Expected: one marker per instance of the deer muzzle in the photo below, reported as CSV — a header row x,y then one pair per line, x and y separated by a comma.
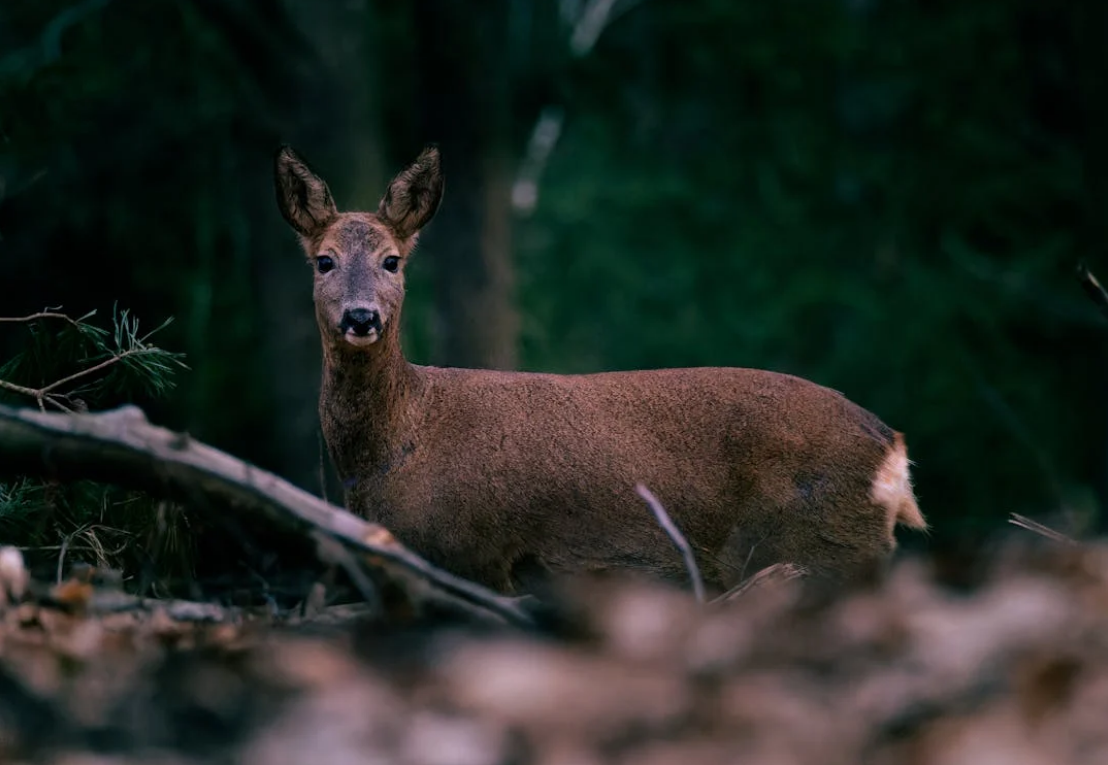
x,y
360,326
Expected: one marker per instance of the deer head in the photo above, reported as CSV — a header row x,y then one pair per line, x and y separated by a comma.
x,y
358,257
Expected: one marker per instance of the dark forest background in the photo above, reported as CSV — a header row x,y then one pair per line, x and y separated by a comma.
x,y
886,196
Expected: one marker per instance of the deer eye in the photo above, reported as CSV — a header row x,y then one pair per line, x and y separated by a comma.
x,y
324,263
391,264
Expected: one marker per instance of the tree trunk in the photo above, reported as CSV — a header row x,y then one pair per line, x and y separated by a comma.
x,y
464,89
336,115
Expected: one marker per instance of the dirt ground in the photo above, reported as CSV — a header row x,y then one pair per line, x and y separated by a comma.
x,y
1011,668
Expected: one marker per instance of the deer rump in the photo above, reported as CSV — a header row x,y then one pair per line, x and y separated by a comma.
x,y
508,477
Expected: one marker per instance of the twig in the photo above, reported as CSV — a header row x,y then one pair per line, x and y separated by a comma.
x,y
56,400
1026,523
1092,287
778,572
122,447
750,556
61,555
41,398
115,358
676,536
40,315
37,395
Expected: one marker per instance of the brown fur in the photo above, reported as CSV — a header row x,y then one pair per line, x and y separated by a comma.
x,y
507,477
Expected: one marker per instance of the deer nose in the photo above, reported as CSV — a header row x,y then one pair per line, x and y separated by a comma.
x,y
360,321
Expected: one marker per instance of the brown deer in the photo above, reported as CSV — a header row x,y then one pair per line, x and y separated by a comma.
x,y
508,478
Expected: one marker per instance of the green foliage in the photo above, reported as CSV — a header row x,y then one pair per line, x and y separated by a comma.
x,y
70,364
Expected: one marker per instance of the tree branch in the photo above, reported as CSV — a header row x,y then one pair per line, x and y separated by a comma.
x,y
97,368
120,446
48,314
39,395
22,390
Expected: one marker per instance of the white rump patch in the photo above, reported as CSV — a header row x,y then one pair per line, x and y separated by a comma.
x,y
892,488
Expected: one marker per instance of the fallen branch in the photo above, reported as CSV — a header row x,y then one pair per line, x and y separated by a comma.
x,y
678,538
120,446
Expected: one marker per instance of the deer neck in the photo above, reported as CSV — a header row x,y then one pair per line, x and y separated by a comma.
x,y
367,406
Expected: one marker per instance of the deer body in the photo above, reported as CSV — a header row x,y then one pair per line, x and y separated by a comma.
x,y
509,477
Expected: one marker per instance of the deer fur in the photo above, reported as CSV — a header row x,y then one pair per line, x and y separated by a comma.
x,y
508,478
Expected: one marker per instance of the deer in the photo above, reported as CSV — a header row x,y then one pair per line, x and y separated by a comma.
x,y
513,479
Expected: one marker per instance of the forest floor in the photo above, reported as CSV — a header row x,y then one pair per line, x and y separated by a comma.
x,y
1010,664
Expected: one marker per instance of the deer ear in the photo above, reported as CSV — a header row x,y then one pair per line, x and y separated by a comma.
x,y
413,196
303,197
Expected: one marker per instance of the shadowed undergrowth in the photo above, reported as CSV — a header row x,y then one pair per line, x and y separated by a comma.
x,y
78,364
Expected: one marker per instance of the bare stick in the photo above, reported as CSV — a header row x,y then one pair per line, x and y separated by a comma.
x,y
1092,287
676,536
1026,523
120,446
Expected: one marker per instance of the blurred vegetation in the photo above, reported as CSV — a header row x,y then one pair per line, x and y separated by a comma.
x,y
886,196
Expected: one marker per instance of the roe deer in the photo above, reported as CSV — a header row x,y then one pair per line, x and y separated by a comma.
x,y
508,478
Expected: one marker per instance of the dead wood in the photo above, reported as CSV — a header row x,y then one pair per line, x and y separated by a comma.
x,y
121,447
